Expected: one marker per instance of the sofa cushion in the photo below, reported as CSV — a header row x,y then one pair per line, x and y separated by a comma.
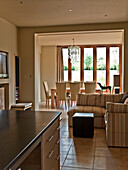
x,y
98,111
88,99
106,98
82,99
116,107
125,96
117,97
98,99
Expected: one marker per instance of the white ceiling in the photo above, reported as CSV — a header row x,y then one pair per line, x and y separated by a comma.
x,y
82,38
56,12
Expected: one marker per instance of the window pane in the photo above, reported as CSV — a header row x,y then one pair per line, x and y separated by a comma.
x,y
88,64
76,70
101,65
65,62
114,63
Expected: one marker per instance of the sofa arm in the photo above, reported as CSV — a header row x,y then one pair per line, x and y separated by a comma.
x,y
116,107
117,122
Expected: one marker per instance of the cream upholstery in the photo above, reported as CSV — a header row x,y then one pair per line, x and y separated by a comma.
x,y
47,95
74,90
116,120
67,84
60,93
90,86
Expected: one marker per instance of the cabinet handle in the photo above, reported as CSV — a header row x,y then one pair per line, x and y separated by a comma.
x,y
50,138
58,128
58,141
50,154
58,157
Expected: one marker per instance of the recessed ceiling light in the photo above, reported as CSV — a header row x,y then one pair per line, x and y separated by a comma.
x,y
21,2
70,10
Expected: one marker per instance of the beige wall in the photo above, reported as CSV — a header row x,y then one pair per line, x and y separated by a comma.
x,y
26,51
8,43
47,68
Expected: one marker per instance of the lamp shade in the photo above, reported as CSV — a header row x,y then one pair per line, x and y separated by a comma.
x,y
116,79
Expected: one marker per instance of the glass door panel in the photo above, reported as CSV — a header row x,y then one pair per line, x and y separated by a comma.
x,y
88,64
114,63
76,70
101,65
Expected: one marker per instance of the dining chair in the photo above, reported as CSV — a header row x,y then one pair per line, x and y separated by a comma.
x,y
61,93
74,90
90,86
47,94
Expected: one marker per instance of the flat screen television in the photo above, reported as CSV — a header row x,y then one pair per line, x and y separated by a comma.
x,y
4,65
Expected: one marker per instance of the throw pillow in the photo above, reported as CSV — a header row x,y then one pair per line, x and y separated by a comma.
x,y
125,96
126,101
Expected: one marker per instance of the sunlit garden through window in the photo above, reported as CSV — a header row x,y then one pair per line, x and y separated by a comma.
x,y
104,58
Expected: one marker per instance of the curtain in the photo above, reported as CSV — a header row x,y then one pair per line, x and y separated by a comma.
x,y
60,67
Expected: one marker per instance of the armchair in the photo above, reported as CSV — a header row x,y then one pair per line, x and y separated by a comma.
x,y
116,120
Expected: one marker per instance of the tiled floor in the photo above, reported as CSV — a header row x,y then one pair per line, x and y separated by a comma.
x,y
89,153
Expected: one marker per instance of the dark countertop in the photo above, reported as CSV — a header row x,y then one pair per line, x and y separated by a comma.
x,y
18,129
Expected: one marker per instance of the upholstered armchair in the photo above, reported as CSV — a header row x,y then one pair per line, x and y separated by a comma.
x,y
116,120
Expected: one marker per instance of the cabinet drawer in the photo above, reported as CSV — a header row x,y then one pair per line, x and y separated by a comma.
x,y
47,136
49,145
51,159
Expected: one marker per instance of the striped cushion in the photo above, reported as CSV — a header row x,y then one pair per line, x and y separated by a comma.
x,y
91,100
87,99
98,99
82,99
106,98
117,97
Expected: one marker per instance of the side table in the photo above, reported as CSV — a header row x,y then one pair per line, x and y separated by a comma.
x,y
83,125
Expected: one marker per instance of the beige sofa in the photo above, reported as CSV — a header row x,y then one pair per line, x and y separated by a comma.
x,y
93,103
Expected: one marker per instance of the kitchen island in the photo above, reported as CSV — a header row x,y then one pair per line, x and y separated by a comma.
x,y
29,140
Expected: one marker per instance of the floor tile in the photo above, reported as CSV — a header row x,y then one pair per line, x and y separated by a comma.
x,y
101,142
83,141
82,150
79,161
108,152
62,159
108,163
70,168
66,141
64,148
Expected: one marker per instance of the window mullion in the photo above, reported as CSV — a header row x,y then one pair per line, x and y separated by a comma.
x,y
120,66
82,64
107,65
94,64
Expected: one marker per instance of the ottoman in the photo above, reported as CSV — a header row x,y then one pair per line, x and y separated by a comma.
x,y
83,125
